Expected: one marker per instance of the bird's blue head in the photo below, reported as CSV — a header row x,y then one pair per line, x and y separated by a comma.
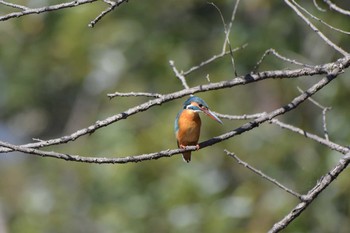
x,y
196,104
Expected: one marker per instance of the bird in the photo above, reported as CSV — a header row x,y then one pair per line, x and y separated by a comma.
x,y
188,124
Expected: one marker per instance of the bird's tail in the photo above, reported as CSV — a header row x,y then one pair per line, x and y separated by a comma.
x,y
186,156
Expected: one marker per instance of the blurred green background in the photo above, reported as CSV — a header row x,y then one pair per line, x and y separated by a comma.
x,y
55,74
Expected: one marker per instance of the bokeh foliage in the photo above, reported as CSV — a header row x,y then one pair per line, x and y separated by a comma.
x,y
55,73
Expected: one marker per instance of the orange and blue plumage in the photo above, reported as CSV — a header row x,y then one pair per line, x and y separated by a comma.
x,y
188,124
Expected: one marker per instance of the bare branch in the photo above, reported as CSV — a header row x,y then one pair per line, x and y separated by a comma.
x,y
246,127
274,52
324,123
179,75
263,175
312,100
240,117
318,7
336,8
29,11
213,58
14,5
98,160
324,112
320,20
113,4
325,142
119,94
326,180
227,30
229,27
333,69
316,30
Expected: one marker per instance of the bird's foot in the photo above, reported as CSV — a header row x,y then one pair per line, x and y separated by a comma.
x,y
197,147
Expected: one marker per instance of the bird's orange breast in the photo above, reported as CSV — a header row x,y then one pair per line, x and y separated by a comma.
x,y
189,128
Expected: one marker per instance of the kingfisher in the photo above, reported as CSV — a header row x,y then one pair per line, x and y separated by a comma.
x,y
188,124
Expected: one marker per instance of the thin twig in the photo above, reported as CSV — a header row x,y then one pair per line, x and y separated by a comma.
x,y
336,8
213,58
274,52
320,20
40,10
146,94
325,142
324,123
229,27
227,30
326,180
318,7
113,5
324,112
316,30
24,8
312,100
179,75
263,175
240,117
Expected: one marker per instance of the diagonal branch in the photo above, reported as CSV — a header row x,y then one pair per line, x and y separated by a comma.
x,y
325,142
326,180
274,52
213,58
320,20
315,29
335,68
318,7
263,175
29,11
179,75
112,5
324,112
244,128
14,5
227,30
337,8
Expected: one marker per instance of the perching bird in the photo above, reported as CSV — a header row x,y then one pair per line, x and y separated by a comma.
x,y
188,124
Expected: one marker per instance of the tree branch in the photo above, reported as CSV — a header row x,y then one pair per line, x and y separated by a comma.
x,y
325,142
326,180
29,11
274,52
246,127
263,175
14,5
315,29
320,20
332,68
336,8
113,4
213,58
119,94
179,75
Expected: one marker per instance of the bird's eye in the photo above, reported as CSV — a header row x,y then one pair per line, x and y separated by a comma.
x,y
200,105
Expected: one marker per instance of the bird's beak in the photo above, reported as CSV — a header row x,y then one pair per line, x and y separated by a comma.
x,y
211,115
